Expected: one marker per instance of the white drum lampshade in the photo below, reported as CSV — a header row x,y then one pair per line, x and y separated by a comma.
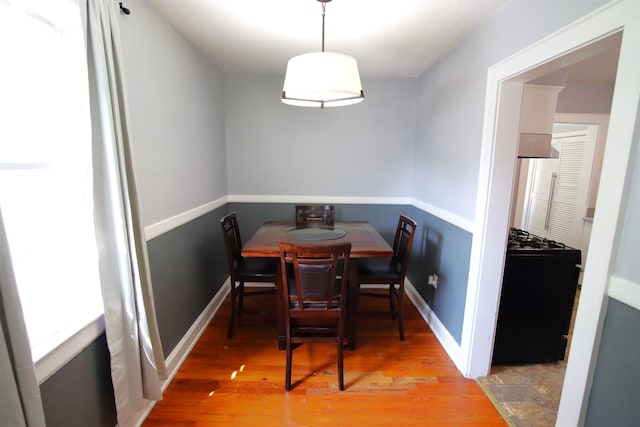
x,y
322,79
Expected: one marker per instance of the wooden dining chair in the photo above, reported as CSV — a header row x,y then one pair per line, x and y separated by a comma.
x,y
391,271
314,293
244,269
315,216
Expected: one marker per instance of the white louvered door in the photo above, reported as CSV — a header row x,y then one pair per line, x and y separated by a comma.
x,y
540,195
559,189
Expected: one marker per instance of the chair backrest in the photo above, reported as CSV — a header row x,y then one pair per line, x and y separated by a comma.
x,y
316,277
402,242
314,216
232,241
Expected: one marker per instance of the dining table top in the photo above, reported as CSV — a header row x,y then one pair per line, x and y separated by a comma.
x,y
365,240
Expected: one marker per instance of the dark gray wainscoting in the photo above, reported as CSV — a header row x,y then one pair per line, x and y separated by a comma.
x,y
188,266
614,394
439,247
444,249
80,394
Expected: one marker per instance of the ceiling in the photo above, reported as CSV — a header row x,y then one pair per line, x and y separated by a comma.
x,y
388,38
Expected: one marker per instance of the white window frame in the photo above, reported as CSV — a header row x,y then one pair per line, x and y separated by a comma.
x,y
53,352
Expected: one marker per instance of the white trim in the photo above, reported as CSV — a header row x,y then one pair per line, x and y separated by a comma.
x,y
161,227
439,330
625,291
181,351
445,215
241,198
62,353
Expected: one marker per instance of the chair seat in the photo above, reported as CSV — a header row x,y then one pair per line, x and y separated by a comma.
x,y
378,270
255,269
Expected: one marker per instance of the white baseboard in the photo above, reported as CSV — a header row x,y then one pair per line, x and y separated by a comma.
x,y
181,351
442,334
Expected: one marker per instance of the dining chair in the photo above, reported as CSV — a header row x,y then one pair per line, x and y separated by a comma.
x,y
315,216
314,293
244,269
391,271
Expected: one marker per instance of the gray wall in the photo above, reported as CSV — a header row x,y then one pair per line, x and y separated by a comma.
x,y
627,265
277,149
614,394
177,119
80,394
452,94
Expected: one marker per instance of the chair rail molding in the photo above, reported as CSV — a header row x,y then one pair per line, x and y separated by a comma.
x,y
154,230
157,229
356,200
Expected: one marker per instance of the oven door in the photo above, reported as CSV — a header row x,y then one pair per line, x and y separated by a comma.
x,y
538,292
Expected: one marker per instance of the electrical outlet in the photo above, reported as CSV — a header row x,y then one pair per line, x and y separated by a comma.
x,y
432,280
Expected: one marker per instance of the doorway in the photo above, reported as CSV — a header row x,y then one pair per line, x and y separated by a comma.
x,y
504,88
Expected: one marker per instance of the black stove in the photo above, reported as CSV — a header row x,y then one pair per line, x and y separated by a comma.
x,y
538,290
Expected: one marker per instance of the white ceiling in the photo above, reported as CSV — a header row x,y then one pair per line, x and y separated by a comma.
x,y
392,38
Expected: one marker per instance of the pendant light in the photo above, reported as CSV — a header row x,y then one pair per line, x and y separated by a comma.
x,y
322,79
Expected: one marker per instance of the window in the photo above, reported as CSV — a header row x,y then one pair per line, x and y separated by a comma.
x,y
45,168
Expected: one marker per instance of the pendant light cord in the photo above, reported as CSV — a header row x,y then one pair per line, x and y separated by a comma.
x,y
324,5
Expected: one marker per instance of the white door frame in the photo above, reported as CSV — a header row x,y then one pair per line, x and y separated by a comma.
x,y
495,185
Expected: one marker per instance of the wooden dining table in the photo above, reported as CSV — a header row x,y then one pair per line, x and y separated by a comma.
x,y
365,241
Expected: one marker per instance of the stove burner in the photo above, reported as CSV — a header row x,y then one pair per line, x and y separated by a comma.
x,y
525,240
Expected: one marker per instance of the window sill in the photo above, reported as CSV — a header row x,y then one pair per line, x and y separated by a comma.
x,y
53,354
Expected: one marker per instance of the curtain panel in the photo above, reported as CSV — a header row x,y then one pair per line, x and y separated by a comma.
x,y
137,362
20,401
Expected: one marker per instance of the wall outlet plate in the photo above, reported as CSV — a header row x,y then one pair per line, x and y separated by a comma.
x,y
432,280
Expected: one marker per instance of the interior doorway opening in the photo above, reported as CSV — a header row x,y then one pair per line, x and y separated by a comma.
x,y
505,82
554,199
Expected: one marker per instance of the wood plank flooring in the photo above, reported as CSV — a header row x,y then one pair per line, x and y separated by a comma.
x,y
240,382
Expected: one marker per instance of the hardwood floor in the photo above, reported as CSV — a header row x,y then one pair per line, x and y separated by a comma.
x,y
240,381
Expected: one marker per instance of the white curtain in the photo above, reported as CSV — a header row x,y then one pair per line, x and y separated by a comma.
x,y
137,361
20,402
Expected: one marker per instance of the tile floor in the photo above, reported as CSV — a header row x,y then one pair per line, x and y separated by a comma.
x,y
529,395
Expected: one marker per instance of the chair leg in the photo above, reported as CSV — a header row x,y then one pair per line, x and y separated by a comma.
x,y
392,300
240,293
232,317
287,380
400,303
340,366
